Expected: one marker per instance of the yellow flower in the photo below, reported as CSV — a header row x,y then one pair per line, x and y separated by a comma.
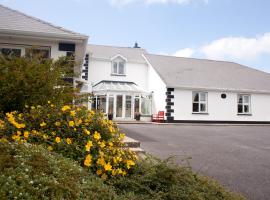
x,y
114,172
65,108
4,140
32,107
57,139
99,172
71,123
110,144
69,141
101,161
108,167
130,163
88,160
101,144
57,123
88,145
49,102
2,124
73,113
16,137
86,131
45,136
43,124
26,134
96,135
121,136
50,148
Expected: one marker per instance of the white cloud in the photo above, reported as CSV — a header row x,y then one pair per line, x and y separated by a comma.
x,y
121,3
187,52
237,47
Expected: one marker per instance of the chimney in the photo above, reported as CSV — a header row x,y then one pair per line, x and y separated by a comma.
x,y
136,45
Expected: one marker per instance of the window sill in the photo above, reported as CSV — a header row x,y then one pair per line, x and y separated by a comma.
x,y
118,75
200,113
244,114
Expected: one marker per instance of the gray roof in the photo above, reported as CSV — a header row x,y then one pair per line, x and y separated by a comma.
x,y
107,52
208,74
12,21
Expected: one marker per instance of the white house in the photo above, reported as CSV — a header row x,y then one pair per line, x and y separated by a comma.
x,y
119,79
125,81
19,33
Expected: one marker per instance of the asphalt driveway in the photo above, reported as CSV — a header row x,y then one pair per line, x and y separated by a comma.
x,y
237,156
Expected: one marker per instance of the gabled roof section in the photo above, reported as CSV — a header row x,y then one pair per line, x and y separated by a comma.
x,y
193,73
12,21
108,52
118,56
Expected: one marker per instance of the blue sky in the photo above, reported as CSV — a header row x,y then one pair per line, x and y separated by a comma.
x,y
234,30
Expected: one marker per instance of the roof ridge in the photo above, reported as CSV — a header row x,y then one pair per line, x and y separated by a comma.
x,y
102,45
189,58
40,20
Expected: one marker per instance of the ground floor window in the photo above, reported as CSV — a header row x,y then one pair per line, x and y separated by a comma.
x,y
243,104
146,105
10,52
199,102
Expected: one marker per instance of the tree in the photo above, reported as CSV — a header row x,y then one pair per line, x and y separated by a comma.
x,y
34,81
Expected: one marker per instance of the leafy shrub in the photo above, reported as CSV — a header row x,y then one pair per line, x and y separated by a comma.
x,y
31,172
34,81
155,179
74,132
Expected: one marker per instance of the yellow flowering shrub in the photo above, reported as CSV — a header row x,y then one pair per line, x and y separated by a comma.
x,y
75,132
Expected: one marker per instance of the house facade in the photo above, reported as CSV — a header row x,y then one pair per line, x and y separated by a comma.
x,y
21,34
118,78
126,81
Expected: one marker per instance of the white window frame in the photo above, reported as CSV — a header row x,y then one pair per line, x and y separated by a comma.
x,y
244,104
199,102
116,60
14,47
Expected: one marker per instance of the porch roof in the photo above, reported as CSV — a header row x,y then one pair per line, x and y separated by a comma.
x,y
117,86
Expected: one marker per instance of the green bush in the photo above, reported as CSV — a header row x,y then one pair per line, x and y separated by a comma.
x,y
34,81
31,172
155,179
74,132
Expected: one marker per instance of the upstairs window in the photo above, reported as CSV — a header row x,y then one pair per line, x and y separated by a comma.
x,y
243,104
199,100
118,66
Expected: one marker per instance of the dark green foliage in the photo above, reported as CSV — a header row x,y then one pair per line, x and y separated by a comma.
x,y
34,81
155,179
31,172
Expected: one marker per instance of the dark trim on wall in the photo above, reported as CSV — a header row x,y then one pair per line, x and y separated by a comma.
x,y
170,119
170,103
66,47
170,89
217,122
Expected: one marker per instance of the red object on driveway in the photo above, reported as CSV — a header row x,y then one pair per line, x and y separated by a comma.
x,y
158,117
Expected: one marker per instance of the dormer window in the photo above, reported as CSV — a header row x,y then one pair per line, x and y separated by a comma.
x,y
118,66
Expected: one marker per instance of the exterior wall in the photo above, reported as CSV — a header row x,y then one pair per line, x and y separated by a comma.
x,y
23,43
158,87
221,109
99,70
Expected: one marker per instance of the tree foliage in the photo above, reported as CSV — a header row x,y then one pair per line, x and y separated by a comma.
x,y
34,81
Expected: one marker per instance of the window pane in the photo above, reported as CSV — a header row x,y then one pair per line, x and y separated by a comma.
x,y
10,52
110,111
195,107
128,106
202,96
195,97
246,108
203,107
240,99
119,105
121,68
146,105
39,53
115,68
246,99
240,108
